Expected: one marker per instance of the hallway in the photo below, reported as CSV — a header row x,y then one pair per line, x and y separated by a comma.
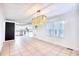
x,y
35,47
39,29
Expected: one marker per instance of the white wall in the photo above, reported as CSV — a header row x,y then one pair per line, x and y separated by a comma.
x,y
71,38
2,28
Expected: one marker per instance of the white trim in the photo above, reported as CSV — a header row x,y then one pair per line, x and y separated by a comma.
x,y
55,42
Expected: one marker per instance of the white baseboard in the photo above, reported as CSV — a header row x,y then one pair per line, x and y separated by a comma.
x,y
55,42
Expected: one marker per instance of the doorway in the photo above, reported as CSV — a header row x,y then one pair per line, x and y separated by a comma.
x,y
9,31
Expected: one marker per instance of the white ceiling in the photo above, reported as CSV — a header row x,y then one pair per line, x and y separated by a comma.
x,y
21,12
24,12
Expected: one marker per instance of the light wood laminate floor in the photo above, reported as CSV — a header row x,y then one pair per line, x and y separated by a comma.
x,y
35,47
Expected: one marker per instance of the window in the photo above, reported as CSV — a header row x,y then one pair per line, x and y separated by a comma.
x,y
56,29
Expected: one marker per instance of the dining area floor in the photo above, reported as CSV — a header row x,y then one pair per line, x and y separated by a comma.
x,y
35,47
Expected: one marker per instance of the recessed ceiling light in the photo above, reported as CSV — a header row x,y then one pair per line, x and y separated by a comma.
x,y
38,10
